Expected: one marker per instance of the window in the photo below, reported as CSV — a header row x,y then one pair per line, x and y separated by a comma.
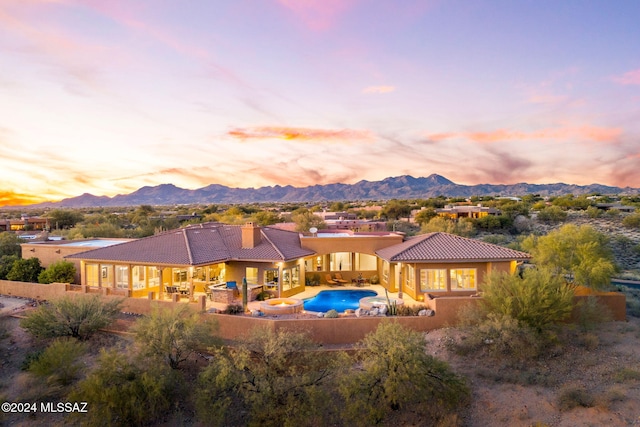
x,y
137,276
271,277
106,271
154,277
92,275
179,277
385,272
286,279
290,278
463,279
433,280
340,261
251,273
295,276
410,279
365,262
122,277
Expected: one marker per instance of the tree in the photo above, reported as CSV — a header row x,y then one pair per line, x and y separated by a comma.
x,y
76,317
463,227
64,218
632,221
10,244
552,215
397,374
579,253
58,363
396,209
25,270
305,220
276,374
265,218
58,272
6,264
425,215
172,335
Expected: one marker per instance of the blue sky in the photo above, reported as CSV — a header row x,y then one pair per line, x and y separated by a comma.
x,y
105,97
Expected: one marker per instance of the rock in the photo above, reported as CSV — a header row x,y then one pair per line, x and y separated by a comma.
x,y
426,312
383,310
374,311
361,312
422,313
320,315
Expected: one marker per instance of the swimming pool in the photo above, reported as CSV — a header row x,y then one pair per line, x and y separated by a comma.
x,y
339,300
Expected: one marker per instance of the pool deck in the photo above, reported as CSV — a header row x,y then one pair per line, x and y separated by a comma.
x,y
311,291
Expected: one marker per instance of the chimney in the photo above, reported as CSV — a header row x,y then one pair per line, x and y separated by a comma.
x,y
250,235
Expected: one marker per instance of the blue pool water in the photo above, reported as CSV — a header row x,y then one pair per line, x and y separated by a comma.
x,y
339,300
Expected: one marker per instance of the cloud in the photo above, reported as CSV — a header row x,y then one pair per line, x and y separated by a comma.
x,y
10,198
378,89
628,78
301,134
318,15
586,132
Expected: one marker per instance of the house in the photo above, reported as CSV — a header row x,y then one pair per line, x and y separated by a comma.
x,y
462,211
444,264
25,223
213,254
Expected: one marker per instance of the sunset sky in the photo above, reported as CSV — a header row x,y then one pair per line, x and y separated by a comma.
x,y
107,96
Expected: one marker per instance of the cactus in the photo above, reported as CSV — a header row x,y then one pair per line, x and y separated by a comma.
x,y
392,306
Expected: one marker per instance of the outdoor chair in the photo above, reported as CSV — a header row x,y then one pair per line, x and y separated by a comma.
x,y
330,281
338,278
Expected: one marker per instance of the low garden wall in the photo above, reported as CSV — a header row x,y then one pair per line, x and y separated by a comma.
x,y
344,330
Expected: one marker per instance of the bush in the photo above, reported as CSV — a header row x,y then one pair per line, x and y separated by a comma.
x,y
79,317
631,221
25,270
58,272
173,335
234,309
120,393
277,377
58,363
331,314
552,215
589,314
573,397
398,375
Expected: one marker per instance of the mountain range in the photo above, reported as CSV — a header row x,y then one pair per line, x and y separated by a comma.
x,y
401,187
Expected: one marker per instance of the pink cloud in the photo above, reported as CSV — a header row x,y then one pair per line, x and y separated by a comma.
x,y
301,134
628,78
592,133
379,89
318,15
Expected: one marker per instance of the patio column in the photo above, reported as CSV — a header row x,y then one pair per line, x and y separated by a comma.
x,y
400,280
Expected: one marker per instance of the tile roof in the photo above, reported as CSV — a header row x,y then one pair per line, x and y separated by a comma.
x,y
444,247
200,245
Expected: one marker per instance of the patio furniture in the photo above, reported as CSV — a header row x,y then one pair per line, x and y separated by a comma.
x,y
171,289
338,278
330,281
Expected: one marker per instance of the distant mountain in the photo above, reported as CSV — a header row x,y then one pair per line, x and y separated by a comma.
x,y
401,187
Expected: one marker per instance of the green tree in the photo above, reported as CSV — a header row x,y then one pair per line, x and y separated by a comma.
x,y
6,264
463,227
425,215
25,270
632,221
59,272
10,244
396,374
64,218
396,209
76,317
121,393
172,335
276,374
265,218
305,219
579,253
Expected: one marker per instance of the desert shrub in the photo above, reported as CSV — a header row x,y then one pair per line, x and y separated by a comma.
x,y
631,221
276,375
121,393
264,295
59,272
234,309
626,374
410,310
573,397
58,364
25,270
502,337
538,299
396,375
331,314
172,335
66,316
552,215
590,341
588,314
30,358
611,396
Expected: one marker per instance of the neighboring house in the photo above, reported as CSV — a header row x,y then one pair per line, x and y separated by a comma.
x,y
445,264
455,212
26,223
212,253
617,206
